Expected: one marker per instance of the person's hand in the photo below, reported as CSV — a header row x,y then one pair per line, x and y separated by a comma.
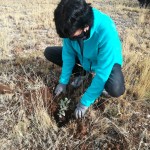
x,y
60,88
80,110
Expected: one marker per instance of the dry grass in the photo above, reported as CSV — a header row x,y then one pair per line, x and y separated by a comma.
x,y
26,29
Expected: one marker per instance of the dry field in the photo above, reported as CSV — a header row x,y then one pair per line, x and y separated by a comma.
x,y
29,111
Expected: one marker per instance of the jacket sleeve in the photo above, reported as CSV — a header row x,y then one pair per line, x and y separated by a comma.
x,y
68,58
109,45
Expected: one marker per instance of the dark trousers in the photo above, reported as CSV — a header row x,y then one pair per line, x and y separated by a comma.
x,y
115,83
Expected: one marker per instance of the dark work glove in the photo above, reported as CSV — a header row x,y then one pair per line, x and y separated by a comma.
x,y
60,88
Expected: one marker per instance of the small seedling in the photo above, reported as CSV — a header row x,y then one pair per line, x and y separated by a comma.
x,y
64,104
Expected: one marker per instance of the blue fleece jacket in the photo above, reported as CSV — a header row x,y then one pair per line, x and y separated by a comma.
x,y
101,51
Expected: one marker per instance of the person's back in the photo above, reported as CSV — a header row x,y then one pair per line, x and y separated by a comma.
x,y
102,30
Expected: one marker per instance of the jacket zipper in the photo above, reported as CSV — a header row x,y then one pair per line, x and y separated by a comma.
x,y
81,44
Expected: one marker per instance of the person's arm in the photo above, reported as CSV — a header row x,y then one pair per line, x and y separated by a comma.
x,y
109,54
68,57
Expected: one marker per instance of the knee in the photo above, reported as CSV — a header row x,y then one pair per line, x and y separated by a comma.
x,y
117,91
48,53
115,85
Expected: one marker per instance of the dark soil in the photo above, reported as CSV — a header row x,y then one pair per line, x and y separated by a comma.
x,y
64,120
100,104
50,102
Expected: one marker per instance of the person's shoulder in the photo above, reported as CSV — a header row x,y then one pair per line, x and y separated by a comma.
x,y
99,13
101,19
103,24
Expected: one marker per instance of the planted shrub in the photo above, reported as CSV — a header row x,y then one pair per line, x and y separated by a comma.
x,y
64,105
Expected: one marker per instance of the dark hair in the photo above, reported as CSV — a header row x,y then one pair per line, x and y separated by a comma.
x,y
71,15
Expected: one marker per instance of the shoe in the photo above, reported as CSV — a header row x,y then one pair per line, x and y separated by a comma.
x,y
105,94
